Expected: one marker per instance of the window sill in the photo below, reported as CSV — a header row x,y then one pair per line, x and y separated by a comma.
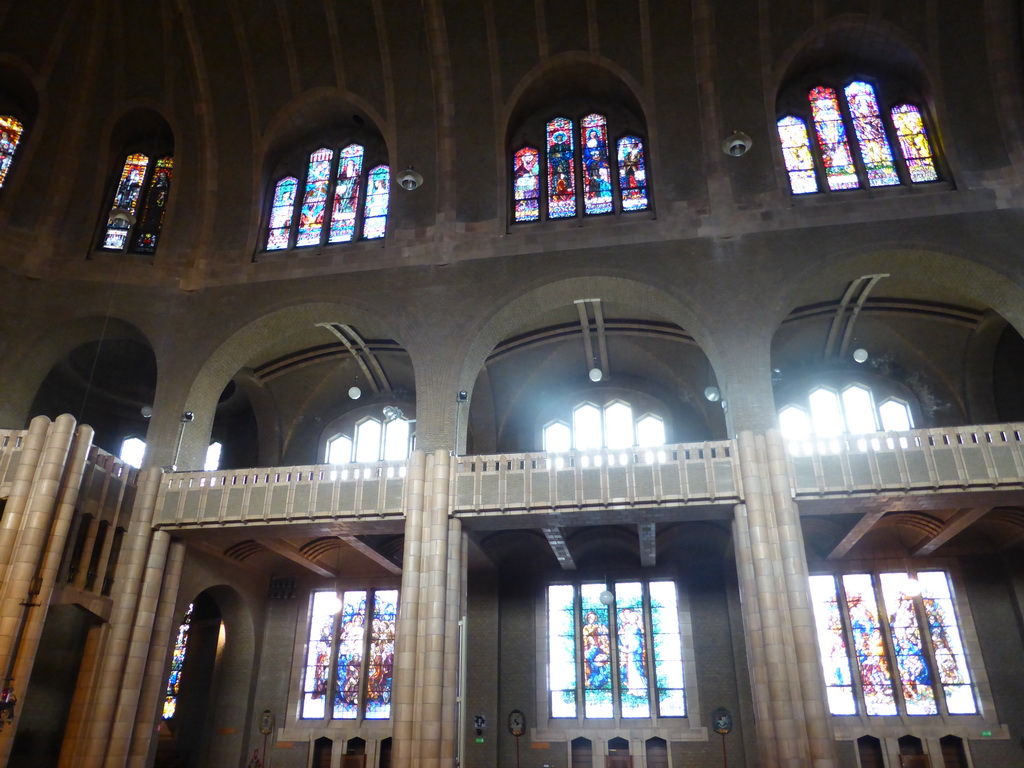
x,y
872,193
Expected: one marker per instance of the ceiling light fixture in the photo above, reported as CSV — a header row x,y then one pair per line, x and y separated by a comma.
x,y
713,394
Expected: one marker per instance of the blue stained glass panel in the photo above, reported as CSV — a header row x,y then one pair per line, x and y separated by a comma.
x,y
562,650
281,213
876,680
867,125
156,204
835,150
177,662
526,176
351,634
835,663
314,201
632,174
597,655
913,139
382,655
561,169
346,194
634,690
597,172
947,645
916,680
10,135
668,661
796,150
129,190
318,655
378,194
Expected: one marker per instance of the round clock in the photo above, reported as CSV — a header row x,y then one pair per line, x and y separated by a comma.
x,y
516,723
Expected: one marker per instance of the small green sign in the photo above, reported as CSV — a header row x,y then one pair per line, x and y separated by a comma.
x,y
480,739
986,733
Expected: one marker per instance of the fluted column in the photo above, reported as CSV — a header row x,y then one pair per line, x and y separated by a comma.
x,y
164,632
404,695
130,569
21,488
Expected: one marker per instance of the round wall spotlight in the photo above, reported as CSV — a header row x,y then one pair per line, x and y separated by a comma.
x,y
355,393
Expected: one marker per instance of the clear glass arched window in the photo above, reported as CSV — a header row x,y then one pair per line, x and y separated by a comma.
x,y
133,450
830,414
372,440
212,463
612,426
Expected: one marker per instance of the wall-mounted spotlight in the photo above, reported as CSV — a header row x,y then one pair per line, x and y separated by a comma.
x,y
463,396
392,413
188,417
410,178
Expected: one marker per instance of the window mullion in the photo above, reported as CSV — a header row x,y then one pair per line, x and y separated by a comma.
x,y
332,669
614,660
364,667
652,677
332,190
899,161
852,140
581,661
929,652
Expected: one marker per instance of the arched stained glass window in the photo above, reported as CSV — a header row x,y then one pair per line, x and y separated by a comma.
x,y
10,134
526,176
561,169
597,173
126,198
152,219
632,174
867,125
622,659
377,197
281,213
855,138
360,635
796,150
831,133
346,194
913,138
314,200
177,662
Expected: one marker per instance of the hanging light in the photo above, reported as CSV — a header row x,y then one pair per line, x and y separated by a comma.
x,y
606,597
596,374
713,394
860,355
355,392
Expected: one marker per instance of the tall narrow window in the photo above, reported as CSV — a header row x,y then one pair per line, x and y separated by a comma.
x,y
177,662
831,132
904,631
632,174
314,201
597,173
561,169
10,134
139,206
359,636
913,138
796,150
156,205
346,194
377,197
281,214
526,175
618,655
126,198
867,125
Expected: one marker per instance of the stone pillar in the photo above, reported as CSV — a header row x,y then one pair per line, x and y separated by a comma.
x,y
165,630
454,611
793,724
108,682
403,712
137,652
21,488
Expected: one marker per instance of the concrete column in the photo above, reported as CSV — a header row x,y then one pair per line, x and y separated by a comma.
x,y
40,548
165,630
454,611
21,488
403,694
79,714
137,653
130,568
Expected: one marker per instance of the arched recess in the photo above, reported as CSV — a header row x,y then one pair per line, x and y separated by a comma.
x,y
210,723
101,370
296,341
553,307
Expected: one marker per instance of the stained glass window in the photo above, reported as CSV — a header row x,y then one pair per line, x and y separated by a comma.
x,y
561,169
346,194
354,636
126,198
913,139
796,150
597,173
621,655
177,662
152,219
10,135
341,201
314,201
281,214
526,175
377,196
850,121
867,125
894,623
831,133
632,174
